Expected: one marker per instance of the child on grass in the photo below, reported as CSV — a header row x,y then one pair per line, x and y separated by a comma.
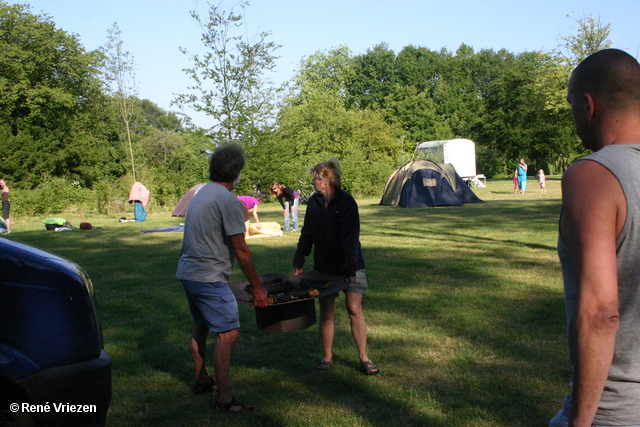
x,y
542,181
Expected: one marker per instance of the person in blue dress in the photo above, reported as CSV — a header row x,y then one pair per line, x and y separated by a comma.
x,y
521,171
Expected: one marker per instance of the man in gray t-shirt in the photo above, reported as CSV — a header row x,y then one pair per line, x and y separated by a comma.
x,y
213,238
214,214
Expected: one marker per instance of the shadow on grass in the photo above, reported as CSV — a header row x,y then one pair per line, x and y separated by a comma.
x,y
461,321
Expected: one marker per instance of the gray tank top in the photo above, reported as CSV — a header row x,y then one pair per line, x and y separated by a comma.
x,y
620,402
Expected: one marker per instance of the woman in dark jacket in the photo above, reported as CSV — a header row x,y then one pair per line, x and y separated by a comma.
x,y
332,227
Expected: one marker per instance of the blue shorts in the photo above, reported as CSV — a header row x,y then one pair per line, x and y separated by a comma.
x,y
213,304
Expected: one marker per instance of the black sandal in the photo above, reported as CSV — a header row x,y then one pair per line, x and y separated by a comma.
x,y
204,388
323,366
234,406
369,368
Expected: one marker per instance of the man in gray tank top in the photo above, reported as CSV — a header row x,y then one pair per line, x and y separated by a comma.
x,y
599,244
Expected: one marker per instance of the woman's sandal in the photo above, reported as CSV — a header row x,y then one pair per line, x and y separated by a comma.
x,y
323,366
369,368
204,388
234,406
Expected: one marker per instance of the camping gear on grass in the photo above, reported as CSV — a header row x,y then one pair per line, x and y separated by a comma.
x,y
267,229
171,229
183,204
139,196
423,183
57,224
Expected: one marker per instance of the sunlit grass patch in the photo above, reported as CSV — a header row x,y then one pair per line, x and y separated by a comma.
x,y
465,317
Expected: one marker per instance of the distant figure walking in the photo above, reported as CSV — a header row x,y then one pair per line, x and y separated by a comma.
x,y
6,205
542,180
521,171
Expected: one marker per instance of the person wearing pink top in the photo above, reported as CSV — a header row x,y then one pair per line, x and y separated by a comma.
x,y
251,205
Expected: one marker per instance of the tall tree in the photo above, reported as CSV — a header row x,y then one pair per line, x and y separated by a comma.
x,y
522,121
228,76
51,103
375,71
419,67
321,127
592,36
119,74
415,112
330,70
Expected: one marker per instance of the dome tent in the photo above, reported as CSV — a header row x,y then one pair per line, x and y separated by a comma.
x,y
423,183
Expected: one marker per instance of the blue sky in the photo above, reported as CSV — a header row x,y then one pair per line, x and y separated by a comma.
x,y
154,30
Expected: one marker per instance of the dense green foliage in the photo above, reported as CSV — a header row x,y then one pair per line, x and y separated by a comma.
x,y
70,117
50,103
61,135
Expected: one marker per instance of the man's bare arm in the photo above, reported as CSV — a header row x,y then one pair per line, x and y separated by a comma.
x,y
243,254
591,220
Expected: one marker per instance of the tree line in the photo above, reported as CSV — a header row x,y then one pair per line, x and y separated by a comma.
x,y
71,122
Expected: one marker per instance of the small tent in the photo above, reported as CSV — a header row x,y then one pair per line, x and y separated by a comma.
x,y
183,204
423,183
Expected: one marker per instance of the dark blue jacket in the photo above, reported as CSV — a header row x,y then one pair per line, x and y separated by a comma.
x,y
334,233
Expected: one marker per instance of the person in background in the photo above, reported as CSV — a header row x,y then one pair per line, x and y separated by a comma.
x,y
251,205
599,244
542,181
521,171
213,236
515,182
6,205
332,228
289,201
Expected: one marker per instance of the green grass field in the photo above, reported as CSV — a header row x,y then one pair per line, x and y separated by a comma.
x,y
465,316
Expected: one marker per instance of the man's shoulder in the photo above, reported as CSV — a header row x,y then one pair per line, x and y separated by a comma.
x,y
585,173
221,193
214,194
591,190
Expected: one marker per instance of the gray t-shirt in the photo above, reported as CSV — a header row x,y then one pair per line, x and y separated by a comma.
x,y
213,215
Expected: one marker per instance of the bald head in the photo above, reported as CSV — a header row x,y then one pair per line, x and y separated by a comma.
x,y
612,76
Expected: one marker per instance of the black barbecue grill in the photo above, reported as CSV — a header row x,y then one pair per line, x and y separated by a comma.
x,y
291,298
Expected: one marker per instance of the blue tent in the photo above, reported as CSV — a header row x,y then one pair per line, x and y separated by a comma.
x,y
423,183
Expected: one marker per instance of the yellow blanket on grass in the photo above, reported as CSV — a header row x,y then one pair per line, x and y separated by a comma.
x,y
269,229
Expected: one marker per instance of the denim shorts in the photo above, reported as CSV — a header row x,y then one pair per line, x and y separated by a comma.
x,y
360,285
213,304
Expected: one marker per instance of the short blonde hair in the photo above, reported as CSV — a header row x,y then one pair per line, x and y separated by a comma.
x,y
330,171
